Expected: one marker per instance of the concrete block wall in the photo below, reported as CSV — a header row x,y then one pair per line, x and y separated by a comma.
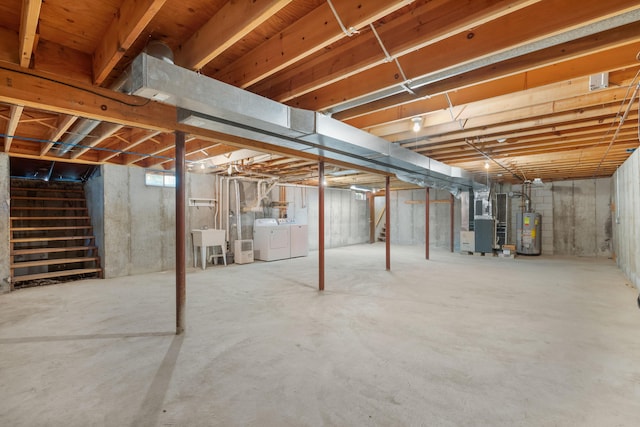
x,y
625,197
5,223
346,219
135,223
582,218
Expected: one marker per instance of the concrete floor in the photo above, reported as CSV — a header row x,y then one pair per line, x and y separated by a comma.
x,y
458,340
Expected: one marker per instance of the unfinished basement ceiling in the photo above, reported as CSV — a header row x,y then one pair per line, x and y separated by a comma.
x,y
531,89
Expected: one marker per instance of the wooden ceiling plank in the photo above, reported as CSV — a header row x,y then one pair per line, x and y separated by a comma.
x,y
12,125
128,24
427,24
8,42
28,26
235,20
64,123
307,35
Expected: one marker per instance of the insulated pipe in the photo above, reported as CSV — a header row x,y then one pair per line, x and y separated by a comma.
x,y
387,220
321,226
181,272
426,224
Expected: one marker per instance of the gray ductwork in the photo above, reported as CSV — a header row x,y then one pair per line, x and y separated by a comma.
x,y
84,127
80,132
207,103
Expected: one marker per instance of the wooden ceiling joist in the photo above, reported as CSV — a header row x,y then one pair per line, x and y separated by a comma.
x,y
235,20
12,124
28,28
128,24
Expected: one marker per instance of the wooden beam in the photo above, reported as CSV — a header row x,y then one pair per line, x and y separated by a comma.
x,y
132,18
235,20
307,35
64,123
28,27
12,125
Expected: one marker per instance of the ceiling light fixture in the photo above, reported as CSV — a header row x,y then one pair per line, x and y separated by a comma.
x,y
501,140
417,124
486,165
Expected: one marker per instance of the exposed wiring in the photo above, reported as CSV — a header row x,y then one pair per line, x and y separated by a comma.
x,y
348,31
84,89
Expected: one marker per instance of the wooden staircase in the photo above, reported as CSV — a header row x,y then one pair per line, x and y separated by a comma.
x,y
51,234
383,234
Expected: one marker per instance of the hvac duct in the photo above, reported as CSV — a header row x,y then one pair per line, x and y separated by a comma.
x,y
155,48
209,104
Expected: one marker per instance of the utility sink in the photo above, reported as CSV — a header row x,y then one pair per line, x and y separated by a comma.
x,y
208,238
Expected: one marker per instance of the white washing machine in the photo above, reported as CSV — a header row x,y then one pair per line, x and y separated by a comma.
x,y
299,237
299,240
271,241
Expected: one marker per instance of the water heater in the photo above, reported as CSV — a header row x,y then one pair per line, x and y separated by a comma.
x,y
528,235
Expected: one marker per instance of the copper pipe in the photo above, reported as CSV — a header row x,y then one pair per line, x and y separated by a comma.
x,y
426,224
387,220
321,226
181,271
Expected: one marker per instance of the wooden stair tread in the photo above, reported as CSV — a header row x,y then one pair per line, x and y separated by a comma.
x,y
59,190
52,261
51,250
49,208
68,199
55,274
47,218
66,227
45,239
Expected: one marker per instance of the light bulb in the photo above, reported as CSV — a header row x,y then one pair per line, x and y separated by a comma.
x,y
417,124
486,165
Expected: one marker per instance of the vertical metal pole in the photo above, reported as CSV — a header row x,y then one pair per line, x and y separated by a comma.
x,y
181,272
321,226
387,219
426,224
451,221
372,217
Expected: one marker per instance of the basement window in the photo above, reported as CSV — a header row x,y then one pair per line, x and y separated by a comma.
x,y
154,178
